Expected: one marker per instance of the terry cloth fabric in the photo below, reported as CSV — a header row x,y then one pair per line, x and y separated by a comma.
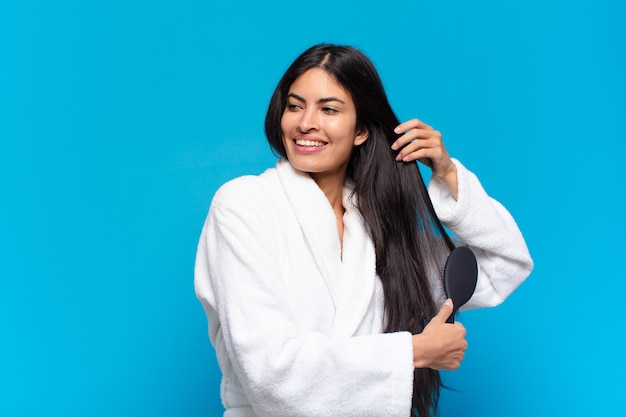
x,y
296,318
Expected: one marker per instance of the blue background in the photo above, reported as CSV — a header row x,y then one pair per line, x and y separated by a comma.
x,y
119,119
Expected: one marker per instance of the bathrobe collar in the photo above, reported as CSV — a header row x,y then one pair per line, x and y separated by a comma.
x,y
349,277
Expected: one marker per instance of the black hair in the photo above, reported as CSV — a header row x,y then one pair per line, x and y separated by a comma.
x,y
411,243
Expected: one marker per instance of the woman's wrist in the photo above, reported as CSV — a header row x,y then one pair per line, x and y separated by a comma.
x,y
419,351
450,179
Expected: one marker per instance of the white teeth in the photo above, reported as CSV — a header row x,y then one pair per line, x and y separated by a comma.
x,y
303,142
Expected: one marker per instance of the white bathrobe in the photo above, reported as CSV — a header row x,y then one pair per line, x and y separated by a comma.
x,y
296,323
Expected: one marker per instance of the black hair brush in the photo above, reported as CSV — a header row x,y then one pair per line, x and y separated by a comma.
x,y
459,277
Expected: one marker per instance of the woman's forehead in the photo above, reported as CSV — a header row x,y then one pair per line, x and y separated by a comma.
x,y
317,83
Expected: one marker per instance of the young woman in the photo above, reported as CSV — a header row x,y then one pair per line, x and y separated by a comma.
x,y
320,277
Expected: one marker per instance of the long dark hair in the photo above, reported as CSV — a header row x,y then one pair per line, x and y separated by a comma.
x,y
411,243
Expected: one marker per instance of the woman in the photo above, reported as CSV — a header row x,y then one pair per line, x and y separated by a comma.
x,y
320,278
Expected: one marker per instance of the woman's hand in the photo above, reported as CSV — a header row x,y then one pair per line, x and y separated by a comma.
x,y
441,345
420,142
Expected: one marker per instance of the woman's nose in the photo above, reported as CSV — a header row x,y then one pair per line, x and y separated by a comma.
x,y
308,121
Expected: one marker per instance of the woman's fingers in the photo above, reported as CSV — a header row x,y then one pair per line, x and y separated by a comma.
x,y
411,130
419,144
441,345
411,124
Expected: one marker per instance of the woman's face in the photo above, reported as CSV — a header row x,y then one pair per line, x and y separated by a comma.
x,y
319,125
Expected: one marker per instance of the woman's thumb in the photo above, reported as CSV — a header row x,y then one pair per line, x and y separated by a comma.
x,y
445,311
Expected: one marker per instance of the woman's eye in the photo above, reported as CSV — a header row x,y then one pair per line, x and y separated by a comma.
x,y
292,107
329,110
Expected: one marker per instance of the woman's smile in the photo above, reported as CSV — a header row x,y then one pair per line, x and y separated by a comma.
x,y
308,144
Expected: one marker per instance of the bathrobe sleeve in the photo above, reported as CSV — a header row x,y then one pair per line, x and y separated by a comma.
x,y
285,370
484,225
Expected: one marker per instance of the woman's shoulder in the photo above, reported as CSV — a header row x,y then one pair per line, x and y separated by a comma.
x,y
248,189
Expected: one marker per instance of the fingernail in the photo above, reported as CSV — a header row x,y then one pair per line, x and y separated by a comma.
x,y
394,146
397,129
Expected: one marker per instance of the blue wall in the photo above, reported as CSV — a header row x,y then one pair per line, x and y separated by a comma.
x,y
119,119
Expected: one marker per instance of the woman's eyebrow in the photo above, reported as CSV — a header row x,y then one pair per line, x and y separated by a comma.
x,y
327,99
297,97
320,101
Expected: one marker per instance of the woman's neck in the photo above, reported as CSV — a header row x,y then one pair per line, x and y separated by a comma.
x,y
332,186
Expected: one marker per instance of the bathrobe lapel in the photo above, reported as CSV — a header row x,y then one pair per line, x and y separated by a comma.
x,y
349,278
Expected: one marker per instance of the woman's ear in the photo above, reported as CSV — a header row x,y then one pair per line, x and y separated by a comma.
x,y
361,136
